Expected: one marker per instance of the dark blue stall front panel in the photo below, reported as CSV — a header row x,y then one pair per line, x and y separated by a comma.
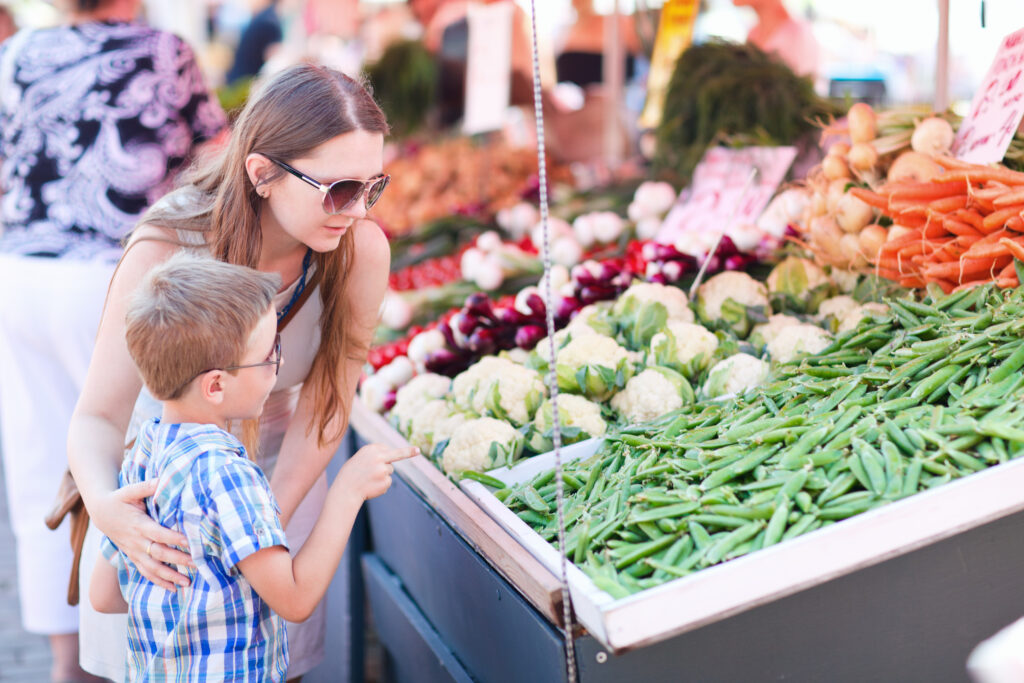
x,y
416,654
492,630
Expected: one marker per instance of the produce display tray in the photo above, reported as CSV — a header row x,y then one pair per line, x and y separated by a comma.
x,y
719,592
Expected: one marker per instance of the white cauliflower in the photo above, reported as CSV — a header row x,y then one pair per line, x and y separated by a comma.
x,y
726,296
411,398
682,346
651,394
481,444
837,307
797,277
466,384
579,419
592,319
593,365
765,332
853,317
672,298
501,388
794,341
433,424
735,375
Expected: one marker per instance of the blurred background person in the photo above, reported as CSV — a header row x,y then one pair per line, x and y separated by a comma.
x,y
780,33
95,117
258,38
7,24
581,59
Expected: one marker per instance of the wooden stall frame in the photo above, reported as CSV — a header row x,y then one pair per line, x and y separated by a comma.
x,y
718,592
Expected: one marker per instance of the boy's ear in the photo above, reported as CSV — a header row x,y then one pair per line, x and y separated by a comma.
x,y
211,386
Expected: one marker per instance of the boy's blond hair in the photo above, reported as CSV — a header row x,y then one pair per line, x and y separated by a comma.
x,y
192,314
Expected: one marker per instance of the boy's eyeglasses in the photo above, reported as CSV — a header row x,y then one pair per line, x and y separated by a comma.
x,y
341,194
274,360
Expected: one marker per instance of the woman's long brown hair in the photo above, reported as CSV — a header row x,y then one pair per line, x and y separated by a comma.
x,y
297,111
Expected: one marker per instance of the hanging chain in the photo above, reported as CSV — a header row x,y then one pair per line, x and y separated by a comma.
x,y
538,110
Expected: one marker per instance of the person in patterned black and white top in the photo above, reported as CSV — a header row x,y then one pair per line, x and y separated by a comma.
x,y
96,116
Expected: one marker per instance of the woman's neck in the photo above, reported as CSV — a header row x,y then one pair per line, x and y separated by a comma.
x,y
111,11
280,252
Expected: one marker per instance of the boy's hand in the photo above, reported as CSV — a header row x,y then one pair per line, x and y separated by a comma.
x,y
367,474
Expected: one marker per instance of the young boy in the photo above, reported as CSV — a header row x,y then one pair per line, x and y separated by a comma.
x,y
203,334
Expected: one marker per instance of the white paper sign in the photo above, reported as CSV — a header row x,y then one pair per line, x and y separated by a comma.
x,y
997,107
717,187
488,67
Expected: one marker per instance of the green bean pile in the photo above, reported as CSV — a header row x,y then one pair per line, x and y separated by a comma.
x,y
905,402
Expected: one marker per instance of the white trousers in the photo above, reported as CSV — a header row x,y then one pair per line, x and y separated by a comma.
x,y
49,312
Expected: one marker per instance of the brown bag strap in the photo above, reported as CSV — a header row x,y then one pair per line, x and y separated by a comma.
x,y
313,283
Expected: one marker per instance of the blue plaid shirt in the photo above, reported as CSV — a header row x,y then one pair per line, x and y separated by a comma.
x,y
218,628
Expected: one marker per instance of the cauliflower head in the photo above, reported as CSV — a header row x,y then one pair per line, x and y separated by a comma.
x,y
593,365
761,334
481,444
579,419
677,306
837,307
500,388
466,385
854,316
724,298
433,425
410,399
590,320
685,347
794,341
798,282
735,375
651,394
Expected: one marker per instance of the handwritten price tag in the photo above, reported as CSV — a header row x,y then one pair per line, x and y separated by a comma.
x,y
718,181
997,107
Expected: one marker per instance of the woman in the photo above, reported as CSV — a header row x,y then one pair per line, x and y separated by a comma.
x,y
95,118
289,195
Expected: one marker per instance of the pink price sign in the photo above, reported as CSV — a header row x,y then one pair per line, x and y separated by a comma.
x,y
997,107
718,186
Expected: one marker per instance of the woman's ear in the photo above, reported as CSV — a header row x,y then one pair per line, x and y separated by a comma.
x,y
211,386
257,167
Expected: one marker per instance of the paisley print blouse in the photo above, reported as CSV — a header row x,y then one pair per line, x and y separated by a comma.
x,y
95,119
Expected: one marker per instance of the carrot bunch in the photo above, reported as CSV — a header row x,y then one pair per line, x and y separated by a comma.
x,y
962,228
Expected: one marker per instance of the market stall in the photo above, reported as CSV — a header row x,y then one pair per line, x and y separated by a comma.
x,y
780,447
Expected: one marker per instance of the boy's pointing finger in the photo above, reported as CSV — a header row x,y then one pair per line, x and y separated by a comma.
x,y
401,454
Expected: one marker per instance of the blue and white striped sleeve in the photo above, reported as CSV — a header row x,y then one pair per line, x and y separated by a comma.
x,y
244,510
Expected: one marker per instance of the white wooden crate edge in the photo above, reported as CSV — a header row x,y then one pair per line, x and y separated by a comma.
x,y
718,592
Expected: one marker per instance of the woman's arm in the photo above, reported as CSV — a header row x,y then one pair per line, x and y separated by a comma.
x,y
105,590
96,434
302,460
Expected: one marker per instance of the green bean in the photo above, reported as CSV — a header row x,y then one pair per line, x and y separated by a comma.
x,y
736,537
777,524
657,513
805,524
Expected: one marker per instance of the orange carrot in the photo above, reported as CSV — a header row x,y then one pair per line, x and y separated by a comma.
x,y
1015,196
1008,282
1010,269
872,198
911,281
946,285
997,219
951,163
980,174
973,283
951,203
959,227
1014,247
1016,224
966,268
927,190
970,216
988,251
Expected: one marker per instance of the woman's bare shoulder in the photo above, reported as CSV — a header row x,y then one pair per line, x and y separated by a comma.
x,y
371,245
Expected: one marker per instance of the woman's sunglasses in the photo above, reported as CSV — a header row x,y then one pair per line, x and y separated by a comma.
x,y
341,194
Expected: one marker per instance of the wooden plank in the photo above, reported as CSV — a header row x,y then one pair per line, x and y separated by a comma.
x,y
508,557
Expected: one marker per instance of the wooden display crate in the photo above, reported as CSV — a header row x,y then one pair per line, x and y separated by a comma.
x,y
718,592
